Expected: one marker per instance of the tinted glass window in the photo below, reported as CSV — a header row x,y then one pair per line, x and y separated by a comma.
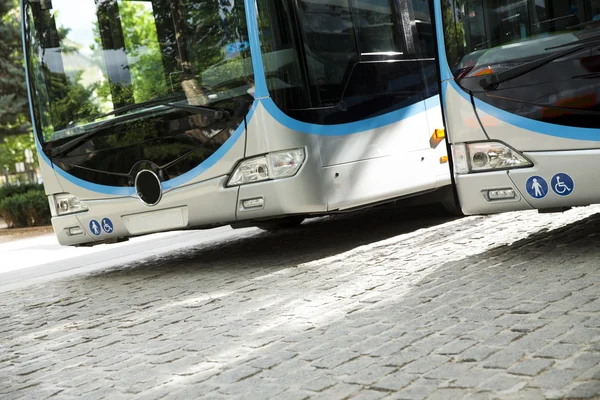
x,y
490,37
336,55
96,56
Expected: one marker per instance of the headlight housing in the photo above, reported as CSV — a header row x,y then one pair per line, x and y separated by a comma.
x,y
486,156
276,165
66,203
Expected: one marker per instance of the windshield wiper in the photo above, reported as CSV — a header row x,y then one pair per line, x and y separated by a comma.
x,y
218,113
491,82
164,102
591,39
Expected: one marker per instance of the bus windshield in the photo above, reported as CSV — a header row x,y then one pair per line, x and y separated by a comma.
x,y
88,58
489,36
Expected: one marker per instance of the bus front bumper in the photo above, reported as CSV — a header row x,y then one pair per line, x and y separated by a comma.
x,y
109,220
481,193
201,205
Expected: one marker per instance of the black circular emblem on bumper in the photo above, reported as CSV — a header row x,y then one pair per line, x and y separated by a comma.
x,y
147,187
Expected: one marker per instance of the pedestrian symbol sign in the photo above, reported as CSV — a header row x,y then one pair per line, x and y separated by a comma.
x,y
537,187
95,227
107,225
562,184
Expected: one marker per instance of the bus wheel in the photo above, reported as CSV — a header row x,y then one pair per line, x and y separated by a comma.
x,y
280,224
452,208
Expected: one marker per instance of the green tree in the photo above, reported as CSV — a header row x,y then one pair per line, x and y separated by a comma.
x,y
14,112
454,31
15,129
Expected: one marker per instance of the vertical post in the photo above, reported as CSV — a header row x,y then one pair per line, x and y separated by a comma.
x,y
406,14
115,54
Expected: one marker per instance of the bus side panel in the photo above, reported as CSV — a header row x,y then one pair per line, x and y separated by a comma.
x,y
435,121
463,125
399,137
300,194
362,182
266,134
51,182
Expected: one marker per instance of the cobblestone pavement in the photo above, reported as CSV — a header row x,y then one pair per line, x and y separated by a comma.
x,y
378,305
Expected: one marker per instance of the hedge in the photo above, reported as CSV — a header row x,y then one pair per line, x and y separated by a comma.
x,y
24,205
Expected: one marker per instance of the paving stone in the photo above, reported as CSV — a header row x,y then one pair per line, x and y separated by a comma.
x,y
554,379
501,383
530,366
419,389
582,336
472,378
503,358
424,364
335,359
456,347
339,391
369,375
368,395
319,384
558,351
477,354
237,374
394,381
448,394
586,390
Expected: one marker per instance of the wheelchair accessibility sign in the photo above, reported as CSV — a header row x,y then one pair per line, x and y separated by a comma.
x,y
562,184
107,225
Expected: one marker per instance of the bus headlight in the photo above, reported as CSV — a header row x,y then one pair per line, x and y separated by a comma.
x,y
66,203
277,165
486,156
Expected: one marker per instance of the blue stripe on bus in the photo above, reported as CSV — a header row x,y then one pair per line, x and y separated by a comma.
x,y
212,159
445,72
260,82
544,128
352,127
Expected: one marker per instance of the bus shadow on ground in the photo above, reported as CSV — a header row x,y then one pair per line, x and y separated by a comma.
x,y
315,239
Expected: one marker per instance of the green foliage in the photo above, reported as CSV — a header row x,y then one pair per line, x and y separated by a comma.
x,y
12,150
13,190
24,206
454,32
141,42
75,106
14,112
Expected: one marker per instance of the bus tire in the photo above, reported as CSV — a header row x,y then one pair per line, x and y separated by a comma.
x,y
280,224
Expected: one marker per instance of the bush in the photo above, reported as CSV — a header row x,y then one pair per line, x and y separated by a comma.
x,y
11,190
24,205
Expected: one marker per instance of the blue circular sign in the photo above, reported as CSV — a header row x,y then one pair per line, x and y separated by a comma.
x,y
107,225
537,187
95,227
562,184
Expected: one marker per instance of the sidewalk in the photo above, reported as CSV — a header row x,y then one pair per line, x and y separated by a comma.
x,y
8,235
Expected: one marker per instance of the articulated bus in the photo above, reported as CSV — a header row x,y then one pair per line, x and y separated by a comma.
x,y
159,115
521,100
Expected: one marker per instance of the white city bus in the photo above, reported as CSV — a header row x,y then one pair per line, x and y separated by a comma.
x,y
521,98
157,115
